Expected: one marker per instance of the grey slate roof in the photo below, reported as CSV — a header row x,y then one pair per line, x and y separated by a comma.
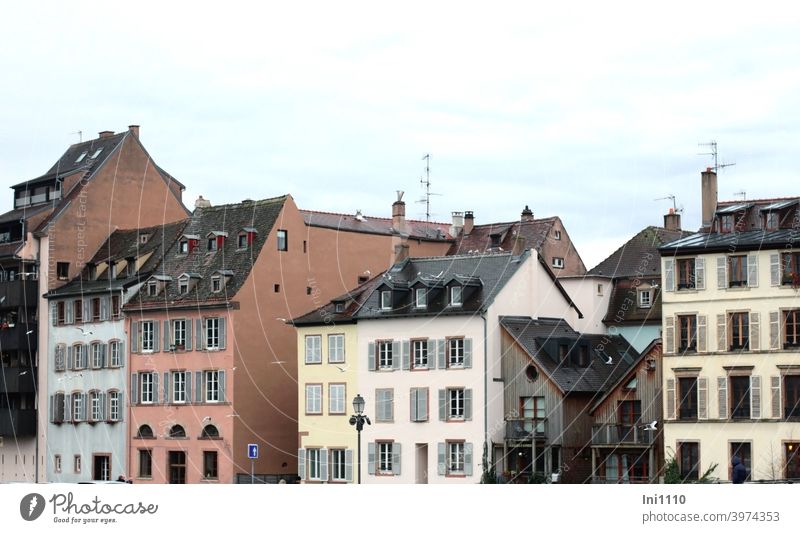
x,y
479,239
416,229
541,339
734,241
638,256
352,300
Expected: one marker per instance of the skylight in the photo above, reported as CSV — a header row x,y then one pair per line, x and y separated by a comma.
x,y
94,155
80,157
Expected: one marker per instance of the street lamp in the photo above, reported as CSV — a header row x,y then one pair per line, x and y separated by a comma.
x,y
358,420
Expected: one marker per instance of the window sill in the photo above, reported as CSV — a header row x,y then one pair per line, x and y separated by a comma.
x,y
455,474
336,362
313,362
456,420
420,368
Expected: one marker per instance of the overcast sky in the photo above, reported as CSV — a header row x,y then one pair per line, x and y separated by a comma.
x,y
578,111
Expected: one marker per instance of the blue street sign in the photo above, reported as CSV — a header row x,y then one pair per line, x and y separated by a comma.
x,y
252,451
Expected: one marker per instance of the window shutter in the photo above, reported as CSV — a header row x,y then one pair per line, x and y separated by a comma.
x,y
441,467
396,455
69,357
406,355
52,408
755,396
669,334
198,390
84,407
776,396
388,403
187,380
348,466
422,405
670,407
774,330
431,354
53,313
222,387
722,336
68,408
323,464
467,353
702,398
88,310
413,406
669,275
134,336
167,336
441,354
468,458
702,334
223,333
104,308
122,353
68,312
371,356
167,399
722,388
752,270
700,273
156,325
155,387
755,331
301,463
121,404
188,323
722,272
775,269
104,362
134,389
371,458
467,404
198,332
103,410
396,355
442,404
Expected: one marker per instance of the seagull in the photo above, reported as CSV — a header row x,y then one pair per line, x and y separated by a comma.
x,y
207,419
28,332
651,426
281,319
2,299
277,362
83,331
342,368
610,360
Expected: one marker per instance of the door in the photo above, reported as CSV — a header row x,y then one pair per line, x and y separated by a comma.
x,y
743,451
629,413
422,464
792,460
101,469
177,467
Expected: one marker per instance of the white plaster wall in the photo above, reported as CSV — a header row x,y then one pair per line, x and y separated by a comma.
x,y
593,305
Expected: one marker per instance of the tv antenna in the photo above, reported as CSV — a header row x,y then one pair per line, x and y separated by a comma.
x,y
79,133
741,193
426,182
674,205
715,154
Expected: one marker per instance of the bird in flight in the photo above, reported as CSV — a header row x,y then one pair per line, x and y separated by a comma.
x,y
651,426
83,331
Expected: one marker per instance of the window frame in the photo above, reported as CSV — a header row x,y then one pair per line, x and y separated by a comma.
x,y
456,404
450,352
314,464
309,399
147,333
315,351
738,323
558,262
456,302
649,300
687,324
450,469
691,396
282,240
174,333
114,406
737,265
211,386
384,458
150,391
686,267
335,348
212,341
384,356
178,387
423,345
208,454
386,300
334,465
692,448
739,397
421,298
339,386
141,473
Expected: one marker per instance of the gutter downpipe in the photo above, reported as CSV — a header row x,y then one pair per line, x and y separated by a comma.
x,y
486,391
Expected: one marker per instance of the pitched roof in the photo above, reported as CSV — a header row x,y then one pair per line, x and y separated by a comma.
x,y
737,240
541,339
352,300
24,213
653,347
638,256
480,238
622,312
416,229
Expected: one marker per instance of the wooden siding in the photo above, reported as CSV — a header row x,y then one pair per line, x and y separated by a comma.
x,y
648,392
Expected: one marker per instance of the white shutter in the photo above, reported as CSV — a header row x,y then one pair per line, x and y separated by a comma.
x,y
371,356
371,458
700,273
669,334
669,275
422,405
722,272
468,459
775,269
396,456
722,336
722,397
413,405
431,353
752,270
670,398
774,330
323,464
396,355
702,398
755,331
406,347
755,397
348,466
702,333
775,382
301,463
467,353
441,465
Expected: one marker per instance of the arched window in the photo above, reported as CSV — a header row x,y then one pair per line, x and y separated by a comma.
x,y
210,432
145,432
177,432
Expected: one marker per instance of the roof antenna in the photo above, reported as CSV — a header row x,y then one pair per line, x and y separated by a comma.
x,y
715,154
79,133
426,181
675,208
741,193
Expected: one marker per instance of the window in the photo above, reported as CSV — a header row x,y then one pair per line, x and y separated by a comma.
x,y
773,220
179,334
455,458
80,157
77,310
791,328
792,460
210,431
314,399
60,313
419,404
78,356
212,386
183,247
177,432
338,465
385,355
384,457
558,262
152,288
113,406
242,241
687,389
790,266
455,404
216,283
277,288
313,349
147,335
146,386
313,460
557,235
455,353
62,270
210,465
94,399
57,463
686,269
179,387
386,299
533,414
384,405
116,309
60,362
337,399
146,463
630,414
211,244
96,309
144,432
599,289
421,298
96,153
283,240
183,285
740,396
737,271
791,396
212,333
420,351
645,298
740,331
580,356
455,296
97,355
339,308
743,451
687,331
726,224
336,348
689,460
362,279
76,464
77,407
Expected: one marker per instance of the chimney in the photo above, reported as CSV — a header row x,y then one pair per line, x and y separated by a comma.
x,y
398,214
527,215
519,245
708,190
672,220
400,252
469,222
104,134
458,223
134,129
202,202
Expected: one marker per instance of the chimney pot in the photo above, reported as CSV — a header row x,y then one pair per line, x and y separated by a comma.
x,y
527,215
134,129
104,134
708,192
458,223
469,222
399,214
202,202
672,220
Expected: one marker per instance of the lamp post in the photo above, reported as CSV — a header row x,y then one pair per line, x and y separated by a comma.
x,y
358,420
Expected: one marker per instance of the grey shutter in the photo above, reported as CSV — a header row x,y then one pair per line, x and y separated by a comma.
x,y
441,354
134,389
155,387
198,331
371,356
669,275
467,353
156,325
301,463
348,466
467,404
68,408
406,355
755,331
103,410
431,354
222,387
167,399
774,330
441,466
468,458
413,404
669,334
198,390
68,318
775,382
722,272
134,336
700,273
187,379
167,339
775,269
396,355
371,458
122,353
84,406
702,398
722,336
104,308
53,313
323,464
422,405
61,401
752,270
121,405
223,333
188,323
104,362
396,455
69,357
670,396
722,390
52,408
442,404
88,310
702,333
755,397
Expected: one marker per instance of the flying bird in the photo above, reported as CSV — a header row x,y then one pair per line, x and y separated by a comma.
x,y
342,368
610,360
83,331
651,426
28,332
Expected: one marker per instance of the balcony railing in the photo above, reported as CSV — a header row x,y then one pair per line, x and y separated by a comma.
x,y
526,428
19,422
617,434
17,380
23,336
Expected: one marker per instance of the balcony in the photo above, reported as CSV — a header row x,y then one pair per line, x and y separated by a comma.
x,y
619,435
16,381
18,338
19,422
19,293
526,429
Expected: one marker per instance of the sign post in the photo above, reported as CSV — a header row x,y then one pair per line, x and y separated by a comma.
x,y
252,453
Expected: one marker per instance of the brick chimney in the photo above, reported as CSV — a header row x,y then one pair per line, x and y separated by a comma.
x,y
527,215
399,214
469,222
134,129
202,202
672,220
708,190
104,134
458,223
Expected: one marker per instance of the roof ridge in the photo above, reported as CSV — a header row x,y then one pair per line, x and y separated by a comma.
x,y
368,217
752,200
460,256
274,199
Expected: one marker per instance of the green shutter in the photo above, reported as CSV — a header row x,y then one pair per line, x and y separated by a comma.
x,y
167,399
396,456
156,338
348,466
323,464
222,388
406,355
198,331
167,337
441,353
223,333
188,323
134,389
422,405
413,405
134,336
431,354
396,355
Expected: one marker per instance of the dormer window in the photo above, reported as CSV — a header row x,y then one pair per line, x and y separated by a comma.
x,y
557,235
143,238
773,220
726,224
91,271
645,298
216,283
339,307
130,266
218,238
96,153
183,247
421,298
558,262
455,296
152,288
243,241
386,299
112,270
494,240
82,156
246,238
183,285
212,244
